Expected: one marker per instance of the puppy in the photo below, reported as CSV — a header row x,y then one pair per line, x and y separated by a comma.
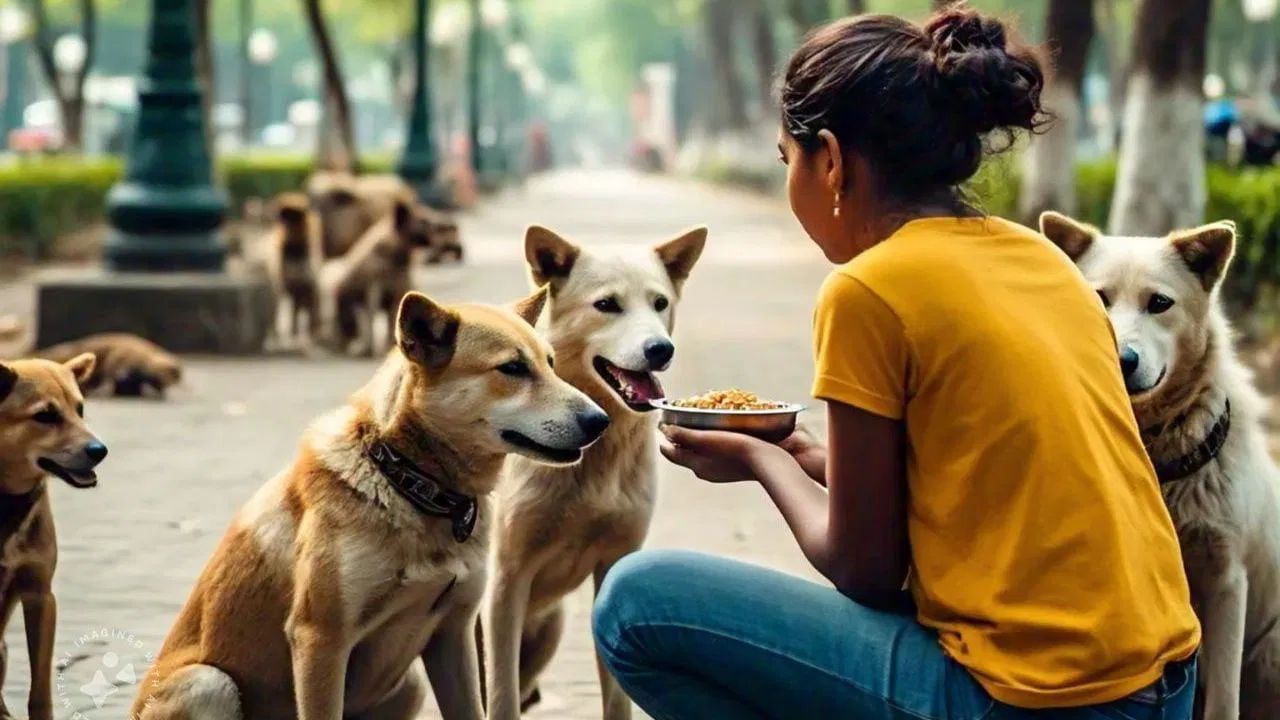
x,y
127,365
610,321
43,433
294,260
1200,420
369,551
372,277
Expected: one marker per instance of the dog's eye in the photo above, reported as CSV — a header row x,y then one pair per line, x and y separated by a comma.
x,y
1106,301
1158,303
48,416
661,303
608,305
515,368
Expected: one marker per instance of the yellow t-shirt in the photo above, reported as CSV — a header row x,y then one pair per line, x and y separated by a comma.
x,y
1042,551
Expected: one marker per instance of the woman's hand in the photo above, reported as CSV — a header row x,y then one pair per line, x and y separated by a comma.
x,y
715,455
809,452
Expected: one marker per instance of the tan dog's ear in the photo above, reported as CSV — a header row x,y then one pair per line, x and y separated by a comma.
x,y
426,332
1074,238
679,255
8,378
530,308
403,213
550,256
82,366
1207,250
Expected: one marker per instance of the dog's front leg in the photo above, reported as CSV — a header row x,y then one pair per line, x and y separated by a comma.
x,y
40,615
372,302
1224,621
319,639
503,626
453,667
617,706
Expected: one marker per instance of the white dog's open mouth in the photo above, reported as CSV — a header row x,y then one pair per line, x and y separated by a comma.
x,y
635,387
85,478
555,455
1139,391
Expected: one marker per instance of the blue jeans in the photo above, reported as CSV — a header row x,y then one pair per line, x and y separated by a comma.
x,y
694,637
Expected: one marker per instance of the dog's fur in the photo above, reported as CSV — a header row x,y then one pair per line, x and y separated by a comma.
x,y
293,262
42,432
1227,513
349,205
557,526
372,277
329,584
127,365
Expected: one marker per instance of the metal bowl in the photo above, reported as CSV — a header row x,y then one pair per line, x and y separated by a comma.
x,y
772,425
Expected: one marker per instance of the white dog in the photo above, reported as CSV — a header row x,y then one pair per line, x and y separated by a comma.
x,y
610,319
1199,416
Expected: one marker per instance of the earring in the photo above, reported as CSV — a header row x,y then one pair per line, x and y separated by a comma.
x,y
835,210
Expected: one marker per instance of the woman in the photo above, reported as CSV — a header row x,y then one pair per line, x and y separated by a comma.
x,y
980,436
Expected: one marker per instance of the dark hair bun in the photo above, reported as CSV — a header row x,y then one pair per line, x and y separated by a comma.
x,y
984,81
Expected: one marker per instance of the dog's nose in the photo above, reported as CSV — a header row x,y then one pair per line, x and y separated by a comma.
x,y
593,423
1128,360
659,353
96,451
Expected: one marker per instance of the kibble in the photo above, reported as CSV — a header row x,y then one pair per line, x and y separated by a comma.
x,y
727,400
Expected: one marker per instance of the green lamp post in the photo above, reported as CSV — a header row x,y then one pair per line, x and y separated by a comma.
x,y
419,164
166,213
475,55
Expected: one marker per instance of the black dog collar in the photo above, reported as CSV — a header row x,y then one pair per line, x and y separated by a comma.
x,y
1199,456
425,492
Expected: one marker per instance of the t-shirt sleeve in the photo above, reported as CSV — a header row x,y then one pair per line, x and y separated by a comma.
x,y
860,349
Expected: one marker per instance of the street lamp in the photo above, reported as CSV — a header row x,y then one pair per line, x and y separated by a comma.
x,y
262,49
1262,13
14,25
488,61
69,55
419,163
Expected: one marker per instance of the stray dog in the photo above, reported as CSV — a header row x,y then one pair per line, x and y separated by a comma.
x,y
1200,420
43,433
372,277
293,262
370,550
610,319
350,205
127,365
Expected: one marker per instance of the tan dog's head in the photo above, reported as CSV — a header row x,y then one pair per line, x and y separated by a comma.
x,y
418,226
42,413
296,223
612,313
1160,293
482,371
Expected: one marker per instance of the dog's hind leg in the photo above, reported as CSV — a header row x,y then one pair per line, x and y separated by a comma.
x,y
537,646
1224,622
503,623
196,692
39,615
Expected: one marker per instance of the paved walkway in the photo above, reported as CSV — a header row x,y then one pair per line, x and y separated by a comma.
x,y
131,548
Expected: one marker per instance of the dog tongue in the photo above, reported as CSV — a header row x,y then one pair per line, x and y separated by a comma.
x,y
638,387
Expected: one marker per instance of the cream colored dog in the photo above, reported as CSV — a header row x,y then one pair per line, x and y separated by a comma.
x,y
370,550
1199,416
610,320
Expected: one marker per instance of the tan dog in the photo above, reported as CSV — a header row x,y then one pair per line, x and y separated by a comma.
x,y
1201,421
370,550
610,320
372,277
127,365
293,262
349,205
43,433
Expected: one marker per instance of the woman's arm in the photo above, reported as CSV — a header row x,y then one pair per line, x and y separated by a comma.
x,y
855,532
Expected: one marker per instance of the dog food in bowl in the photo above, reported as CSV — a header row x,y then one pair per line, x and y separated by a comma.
x,y
732,410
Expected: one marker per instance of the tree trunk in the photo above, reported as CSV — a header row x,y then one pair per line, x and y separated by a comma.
x,y
766,53
732,104
856,7
204,72
1117,69
1160,182
69,96
337,149
1048,178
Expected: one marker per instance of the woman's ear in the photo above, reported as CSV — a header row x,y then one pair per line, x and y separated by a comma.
x,y
834,159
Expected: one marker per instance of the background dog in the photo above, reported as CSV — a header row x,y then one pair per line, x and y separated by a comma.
x,y
127,365
610,321
43,433
330,580
1199,416
293,262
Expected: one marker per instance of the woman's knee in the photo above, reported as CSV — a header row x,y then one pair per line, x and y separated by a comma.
x,y
637,590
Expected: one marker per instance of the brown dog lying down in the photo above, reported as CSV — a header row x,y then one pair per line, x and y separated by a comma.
x,y
127,366
42,433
